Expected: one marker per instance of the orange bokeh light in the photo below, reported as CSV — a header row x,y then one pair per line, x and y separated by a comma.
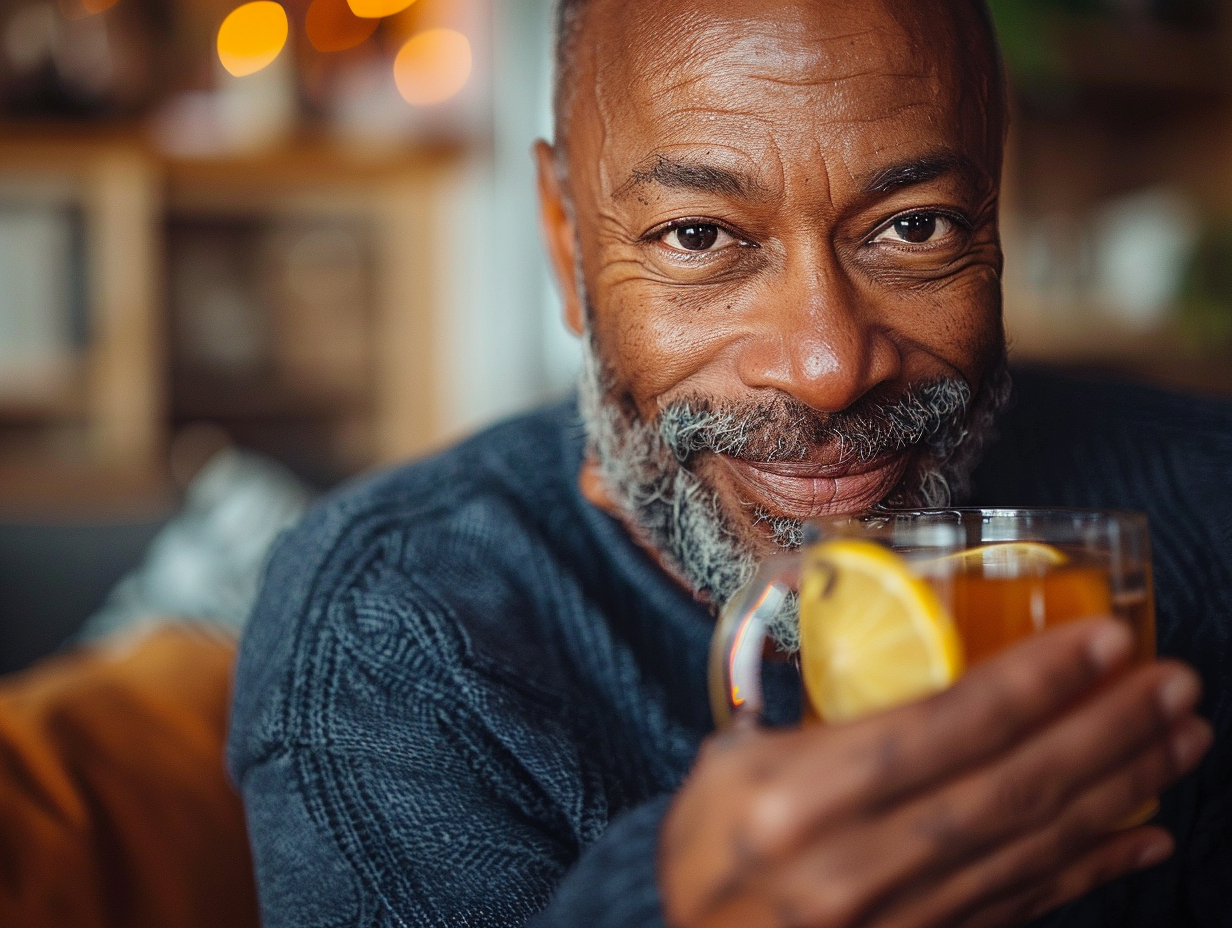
x,y
375,9
332,27
74,10
433,66
251,37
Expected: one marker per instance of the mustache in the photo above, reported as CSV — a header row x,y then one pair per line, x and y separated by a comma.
x,y
785,430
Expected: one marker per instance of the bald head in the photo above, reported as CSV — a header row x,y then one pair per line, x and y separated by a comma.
x,y
976,50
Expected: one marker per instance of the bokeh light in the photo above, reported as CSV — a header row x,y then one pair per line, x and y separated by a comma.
x,y
332,27
375,9
251,37
432,66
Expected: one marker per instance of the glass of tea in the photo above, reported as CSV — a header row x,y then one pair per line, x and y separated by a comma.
x,y
984,578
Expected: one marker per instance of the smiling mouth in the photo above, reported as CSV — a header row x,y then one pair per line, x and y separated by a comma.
x,y
807,491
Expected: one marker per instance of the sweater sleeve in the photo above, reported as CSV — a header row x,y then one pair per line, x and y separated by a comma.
x,y
614,884
390,777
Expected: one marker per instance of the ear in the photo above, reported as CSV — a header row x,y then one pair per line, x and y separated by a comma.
x,y
559,235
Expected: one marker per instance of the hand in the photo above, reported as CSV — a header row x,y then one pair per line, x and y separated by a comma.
x,y
988,804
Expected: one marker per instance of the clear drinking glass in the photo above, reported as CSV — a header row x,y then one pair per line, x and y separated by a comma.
x,y
1002,574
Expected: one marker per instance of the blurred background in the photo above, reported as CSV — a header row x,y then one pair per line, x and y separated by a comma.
x,y
307,229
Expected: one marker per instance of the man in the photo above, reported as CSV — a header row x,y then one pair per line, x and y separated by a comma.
x,y
473,691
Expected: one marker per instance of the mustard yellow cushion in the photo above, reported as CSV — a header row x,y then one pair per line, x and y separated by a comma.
x,y
115,809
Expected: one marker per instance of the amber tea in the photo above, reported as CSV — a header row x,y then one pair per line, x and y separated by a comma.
x,y
997,600
895,605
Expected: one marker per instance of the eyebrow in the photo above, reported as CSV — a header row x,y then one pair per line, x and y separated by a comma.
x,y
708,178
689,175
921,171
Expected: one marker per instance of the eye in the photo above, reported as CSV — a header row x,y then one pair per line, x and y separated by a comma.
x,y
696,237
916,229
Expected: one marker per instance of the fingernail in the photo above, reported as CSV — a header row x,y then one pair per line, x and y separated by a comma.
x,y
1189,746
1110,646
1155,853
1178,694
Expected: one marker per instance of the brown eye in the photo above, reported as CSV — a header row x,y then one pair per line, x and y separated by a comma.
x,y
695,237
916,229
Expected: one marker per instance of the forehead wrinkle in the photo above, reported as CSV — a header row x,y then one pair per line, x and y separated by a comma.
x,y
747,46
850,119
680,63
790,44
830,81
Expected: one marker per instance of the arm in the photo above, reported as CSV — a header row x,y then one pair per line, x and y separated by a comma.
x,y
614,884
390,781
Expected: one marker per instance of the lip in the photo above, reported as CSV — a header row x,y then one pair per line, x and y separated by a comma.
x,y
808,491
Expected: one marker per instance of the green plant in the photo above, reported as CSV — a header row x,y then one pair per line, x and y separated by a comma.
x,y
1204,309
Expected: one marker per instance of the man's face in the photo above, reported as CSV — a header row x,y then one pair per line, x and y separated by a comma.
x,y
786,216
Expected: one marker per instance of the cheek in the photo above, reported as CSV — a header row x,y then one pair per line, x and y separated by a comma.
x,y
657,338
958,323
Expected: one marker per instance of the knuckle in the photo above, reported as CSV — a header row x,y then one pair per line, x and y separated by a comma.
x,y
1034,903
887,751
1016,694
1073,834
768,825
1026,796
837,906
1150,774
941,825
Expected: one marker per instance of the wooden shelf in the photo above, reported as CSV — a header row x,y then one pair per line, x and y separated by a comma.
x,y
49,390
42,489
127,395
305,156
1084,339
209,397
1106,55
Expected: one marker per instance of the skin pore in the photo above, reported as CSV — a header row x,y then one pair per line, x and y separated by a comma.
x,y
785,199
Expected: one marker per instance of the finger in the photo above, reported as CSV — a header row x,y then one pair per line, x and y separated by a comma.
x,y
1029,786
869,763
1033,860
1118,732
1114,857
848,878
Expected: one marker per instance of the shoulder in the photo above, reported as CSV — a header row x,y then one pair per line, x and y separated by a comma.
x,y
1061,415
1074,442
420,582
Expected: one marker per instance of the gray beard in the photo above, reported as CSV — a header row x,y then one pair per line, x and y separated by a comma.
x,y
673,510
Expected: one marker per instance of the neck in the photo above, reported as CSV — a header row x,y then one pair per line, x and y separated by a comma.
x,y
595,492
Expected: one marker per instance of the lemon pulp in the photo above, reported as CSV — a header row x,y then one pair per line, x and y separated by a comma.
x,y
872,635
1008,558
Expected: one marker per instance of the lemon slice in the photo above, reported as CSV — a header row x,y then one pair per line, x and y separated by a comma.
x,y
1009,558
872,635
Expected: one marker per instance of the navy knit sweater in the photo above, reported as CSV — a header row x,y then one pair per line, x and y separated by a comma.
x,y
465,696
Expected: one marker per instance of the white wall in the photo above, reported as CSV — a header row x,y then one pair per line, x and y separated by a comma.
x,y
507,347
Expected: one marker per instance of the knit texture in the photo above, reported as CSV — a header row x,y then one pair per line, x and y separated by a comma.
x,y
465,696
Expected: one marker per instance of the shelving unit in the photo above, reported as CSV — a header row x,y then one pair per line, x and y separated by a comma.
x,y
1132,106
96,427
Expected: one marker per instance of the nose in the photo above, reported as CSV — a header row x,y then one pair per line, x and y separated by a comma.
x,y
812,338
